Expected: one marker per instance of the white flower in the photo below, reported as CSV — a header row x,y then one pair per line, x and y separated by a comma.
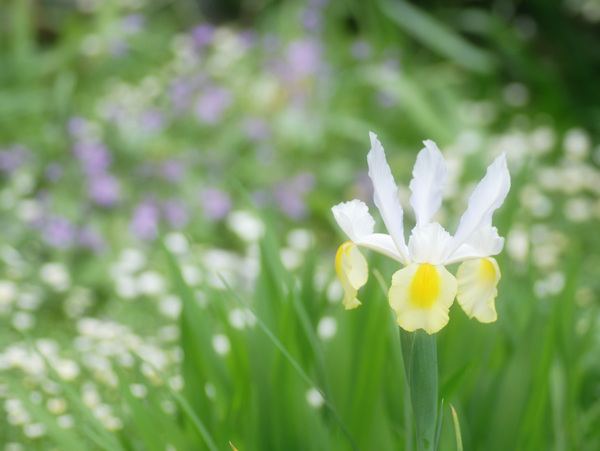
x,y
423,291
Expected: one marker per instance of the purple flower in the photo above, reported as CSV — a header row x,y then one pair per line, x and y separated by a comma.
x,y
202,35
216,203
94,157
303,182
288,195
144,222
119,48
89,238
77,126
303,58
12,158
181,91
172,170
53,172
58,232
175,213
133,23
360,50
311,19
152,120
271,42
386,99
104,189
364,186
211,106
248,38
257,129
290,202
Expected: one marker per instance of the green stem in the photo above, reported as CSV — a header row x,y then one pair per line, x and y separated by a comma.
x,y
420,364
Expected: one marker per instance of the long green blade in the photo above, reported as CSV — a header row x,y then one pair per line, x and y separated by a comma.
x,y
420,363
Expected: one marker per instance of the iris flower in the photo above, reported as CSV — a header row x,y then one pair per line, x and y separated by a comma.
x,y
423,291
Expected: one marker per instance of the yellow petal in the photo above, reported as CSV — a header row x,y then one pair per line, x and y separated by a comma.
x,y
477,282
353,272
421,295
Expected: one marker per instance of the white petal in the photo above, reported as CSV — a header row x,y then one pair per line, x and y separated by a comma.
x,y
429,178
486,198
353,272
421,300
483,243
477,282
382,243
429,244
354,219
386,194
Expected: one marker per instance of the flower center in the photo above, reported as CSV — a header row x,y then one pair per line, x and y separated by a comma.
x,y
425,286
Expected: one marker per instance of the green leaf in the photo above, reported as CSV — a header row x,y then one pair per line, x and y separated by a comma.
x,y
420,363
437,36
459,444
294,363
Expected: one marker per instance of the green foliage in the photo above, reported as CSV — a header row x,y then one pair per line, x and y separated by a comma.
x,y
253,348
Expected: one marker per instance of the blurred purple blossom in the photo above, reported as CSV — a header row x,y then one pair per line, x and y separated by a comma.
x,y
386,99
58,232
144,222
172,169
303,57
257,129
260,198
360,49
364,187
271,42
133,23
311,19
176,213
248,39
104,189
119,48
89,238
215,203
12,158
77,126
94,157
202,35
290,202
181,91
212,104
152,120
303,182
53,172
288,195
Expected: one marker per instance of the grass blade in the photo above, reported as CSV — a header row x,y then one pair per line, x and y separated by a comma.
x,y
459,444
294,363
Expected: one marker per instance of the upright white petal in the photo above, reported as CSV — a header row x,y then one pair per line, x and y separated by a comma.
x,y
485,199
429,178
354,219
386,194
429,244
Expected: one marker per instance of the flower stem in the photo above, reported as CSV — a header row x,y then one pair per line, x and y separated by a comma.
x,y
420,364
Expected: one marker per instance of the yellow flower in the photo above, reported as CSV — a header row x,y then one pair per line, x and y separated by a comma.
x,y
423,291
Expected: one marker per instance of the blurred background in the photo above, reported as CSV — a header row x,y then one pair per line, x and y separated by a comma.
x,y
160,157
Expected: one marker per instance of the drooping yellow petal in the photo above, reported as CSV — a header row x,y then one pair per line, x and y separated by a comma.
x,y
353,272
421,295
477,288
